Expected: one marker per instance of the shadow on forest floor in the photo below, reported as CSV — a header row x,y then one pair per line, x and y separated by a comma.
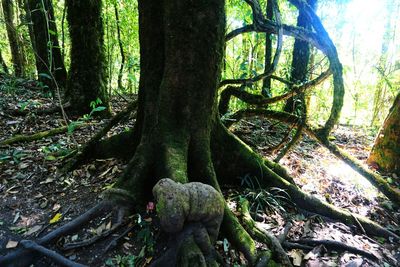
x,y
35,199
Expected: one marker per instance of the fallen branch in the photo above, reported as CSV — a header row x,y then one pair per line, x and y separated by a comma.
x,y
40,135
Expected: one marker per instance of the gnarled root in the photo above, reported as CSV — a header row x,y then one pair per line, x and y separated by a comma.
x,y
257,232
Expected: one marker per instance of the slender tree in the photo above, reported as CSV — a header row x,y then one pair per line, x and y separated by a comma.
x,y
49,62
121,47
3,64
266,87
300,60
17,58
386,150
87,79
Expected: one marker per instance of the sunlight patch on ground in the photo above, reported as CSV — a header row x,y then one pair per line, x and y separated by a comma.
x,y
346,174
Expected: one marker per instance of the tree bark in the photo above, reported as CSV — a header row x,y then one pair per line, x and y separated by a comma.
x,y
49,64
3,64
18,62
386,150
87,80
266,87
121,47
300,60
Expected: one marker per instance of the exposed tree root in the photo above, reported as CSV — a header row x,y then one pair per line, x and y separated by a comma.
x,y
378,181
87,151
187,250
93,240
375,179
263,236
39,135
22,256
57,258
232,158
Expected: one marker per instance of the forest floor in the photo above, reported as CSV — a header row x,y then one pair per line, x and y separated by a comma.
x,y
35,198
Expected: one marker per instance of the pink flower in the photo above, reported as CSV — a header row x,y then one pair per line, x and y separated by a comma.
x,y
150,207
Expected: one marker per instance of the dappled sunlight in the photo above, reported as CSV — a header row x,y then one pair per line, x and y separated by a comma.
x,y
346,174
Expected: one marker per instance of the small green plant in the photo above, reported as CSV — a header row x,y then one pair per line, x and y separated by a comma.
x,y
28,104
87,117
122,261
145,235
16,155
274,199
53,151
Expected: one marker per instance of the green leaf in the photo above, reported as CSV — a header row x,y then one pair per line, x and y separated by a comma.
x,y
71,127
101,108
50,158
109,262
52,32
56,218
45,75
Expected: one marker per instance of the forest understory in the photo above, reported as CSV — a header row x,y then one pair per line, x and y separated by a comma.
x,y
37,198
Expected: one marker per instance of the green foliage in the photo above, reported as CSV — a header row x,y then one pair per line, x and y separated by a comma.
x,y
15,155
122,261
145,236
55,151
87,117
261,200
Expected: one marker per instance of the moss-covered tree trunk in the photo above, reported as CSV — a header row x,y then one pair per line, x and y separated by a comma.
x,y
87,77
17,58
181,46
49,62
386,150
300,60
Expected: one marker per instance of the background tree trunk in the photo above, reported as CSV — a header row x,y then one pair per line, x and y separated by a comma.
x,y
87,80
266,87
300,60
17,58
49,64
3,64
386,150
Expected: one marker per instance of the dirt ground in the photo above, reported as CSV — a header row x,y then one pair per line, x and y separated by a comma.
x,y
36,198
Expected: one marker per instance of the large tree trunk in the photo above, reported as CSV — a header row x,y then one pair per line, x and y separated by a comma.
x,y
87,79
181,52
17,58
386,150
49,62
